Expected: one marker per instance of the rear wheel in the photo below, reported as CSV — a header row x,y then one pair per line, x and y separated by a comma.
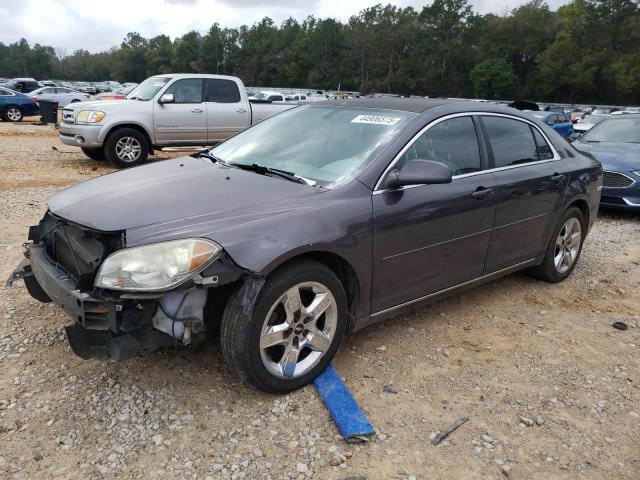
x,y
13,113
126,147
94,153
293,332
564,247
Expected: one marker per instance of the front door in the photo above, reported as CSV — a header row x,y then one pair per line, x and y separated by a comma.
x,y
431,237
531,180
184,120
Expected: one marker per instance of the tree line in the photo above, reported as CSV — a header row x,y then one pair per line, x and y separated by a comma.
x,y
588,51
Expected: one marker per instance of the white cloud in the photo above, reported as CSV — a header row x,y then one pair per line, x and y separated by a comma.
x,y
75,24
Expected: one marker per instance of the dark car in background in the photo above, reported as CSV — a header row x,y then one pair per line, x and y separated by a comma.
x,y
615,142
15,106
22,85
283,246
560,122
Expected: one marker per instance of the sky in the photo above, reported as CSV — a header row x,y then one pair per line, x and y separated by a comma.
x,y
69,25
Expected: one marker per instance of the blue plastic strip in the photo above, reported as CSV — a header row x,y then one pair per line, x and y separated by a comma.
x,y
350,419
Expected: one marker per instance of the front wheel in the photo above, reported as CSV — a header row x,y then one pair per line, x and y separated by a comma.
x,y
126,147
13,113
294,330
564,247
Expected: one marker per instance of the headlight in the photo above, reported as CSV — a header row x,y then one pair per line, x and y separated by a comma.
x,y
90,116
156,267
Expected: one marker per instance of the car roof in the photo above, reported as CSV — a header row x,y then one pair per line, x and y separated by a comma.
x,y
416,105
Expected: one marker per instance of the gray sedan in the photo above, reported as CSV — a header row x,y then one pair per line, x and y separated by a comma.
x,y
62,95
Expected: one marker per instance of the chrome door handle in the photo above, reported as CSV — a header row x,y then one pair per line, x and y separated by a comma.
x,y
557,177
197,110
241,110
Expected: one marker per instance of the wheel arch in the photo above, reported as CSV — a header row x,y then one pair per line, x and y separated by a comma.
x,y
134,126
341,267
582,205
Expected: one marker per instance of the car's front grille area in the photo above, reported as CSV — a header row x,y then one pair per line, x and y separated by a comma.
x,y
76,250
68,116
616,180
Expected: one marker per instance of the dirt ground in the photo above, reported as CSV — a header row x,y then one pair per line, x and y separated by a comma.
x,y
551,390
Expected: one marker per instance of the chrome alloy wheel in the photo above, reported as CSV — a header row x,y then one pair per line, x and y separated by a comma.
x,y
298,330
14,114
128,149
567,245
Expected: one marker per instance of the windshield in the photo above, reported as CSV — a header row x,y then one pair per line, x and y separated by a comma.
x,y
623,130
594,118
260,96
148,89
334,142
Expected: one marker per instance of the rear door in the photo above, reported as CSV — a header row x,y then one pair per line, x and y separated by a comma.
x,y
531,180
431,237
227,112
184,120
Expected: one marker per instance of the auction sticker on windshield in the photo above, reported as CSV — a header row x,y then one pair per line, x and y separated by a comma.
x,y
376,119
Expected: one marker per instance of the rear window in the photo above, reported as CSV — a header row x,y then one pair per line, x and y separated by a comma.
x,y
221,91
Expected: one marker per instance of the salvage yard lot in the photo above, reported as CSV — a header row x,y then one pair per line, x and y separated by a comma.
x,y
514,348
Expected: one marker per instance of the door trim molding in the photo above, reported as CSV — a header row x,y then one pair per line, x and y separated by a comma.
x,y
481,279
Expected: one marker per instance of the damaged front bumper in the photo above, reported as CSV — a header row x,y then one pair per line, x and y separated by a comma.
x,y
119,325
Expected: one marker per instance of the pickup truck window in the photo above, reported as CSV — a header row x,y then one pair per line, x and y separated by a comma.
x,y
188,90
148,89
339,141
221,91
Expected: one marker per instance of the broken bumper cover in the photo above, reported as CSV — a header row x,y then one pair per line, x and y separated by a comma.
x,y
97,332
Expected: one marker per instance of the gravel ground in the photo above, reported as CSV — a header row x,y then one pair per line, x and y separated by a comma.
x,y
550,388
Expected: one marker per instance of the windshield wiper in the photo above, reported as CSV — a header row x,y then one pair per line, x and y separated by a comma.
x,y
261,169
206,154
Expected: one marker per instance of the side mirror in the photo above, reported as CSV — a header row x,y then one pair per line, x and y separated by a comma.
x,y
166,98
419,172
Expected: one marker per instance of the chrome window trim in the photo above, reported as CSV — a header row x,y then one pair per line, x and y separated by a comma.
x,y
556,155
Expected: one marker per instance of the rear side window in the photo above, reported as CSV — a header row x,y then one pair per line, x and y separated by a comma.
x,y
452,142
544,150
511,141
188,90
221,91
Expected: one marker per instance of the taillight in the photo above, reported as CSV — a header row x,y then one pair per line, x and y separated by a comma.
x,y
34,101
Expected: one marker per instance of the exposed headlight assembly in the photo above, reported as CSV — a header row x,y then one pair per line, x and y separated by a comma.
x,y
90,116
156,267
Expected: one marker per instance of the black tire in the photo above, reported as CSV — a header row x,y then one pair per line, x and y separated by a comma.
x,y
94,153
547,270
240,334
121,134
13,113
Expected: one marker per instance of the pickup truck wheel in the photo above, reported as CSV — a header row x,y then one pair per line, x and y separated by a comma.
x,y
13,113
294,330
564,247
94,153
126,147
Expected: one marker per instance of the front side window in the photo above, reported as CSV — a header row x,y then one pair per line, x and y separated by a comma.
x,y
188,90
511,141
452,142
339,142
221,91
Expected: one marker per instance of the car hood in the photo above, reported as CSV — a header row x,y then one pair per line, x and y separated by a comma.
x,y
613,156
183,189
106,105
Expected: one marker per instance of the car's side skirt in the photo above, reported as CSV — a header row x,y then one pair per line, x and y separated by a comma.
x,y
432,297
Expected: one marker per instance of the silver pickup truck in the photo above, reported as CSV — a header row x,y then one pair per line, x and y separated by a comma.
x,y
164,110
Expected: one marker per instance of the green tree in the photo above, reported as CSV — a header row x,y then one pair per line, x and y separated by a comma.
x,y
493,78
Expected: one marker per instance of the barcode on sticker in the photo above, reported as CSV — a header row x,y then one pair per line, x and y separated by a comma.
x,y
376,119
